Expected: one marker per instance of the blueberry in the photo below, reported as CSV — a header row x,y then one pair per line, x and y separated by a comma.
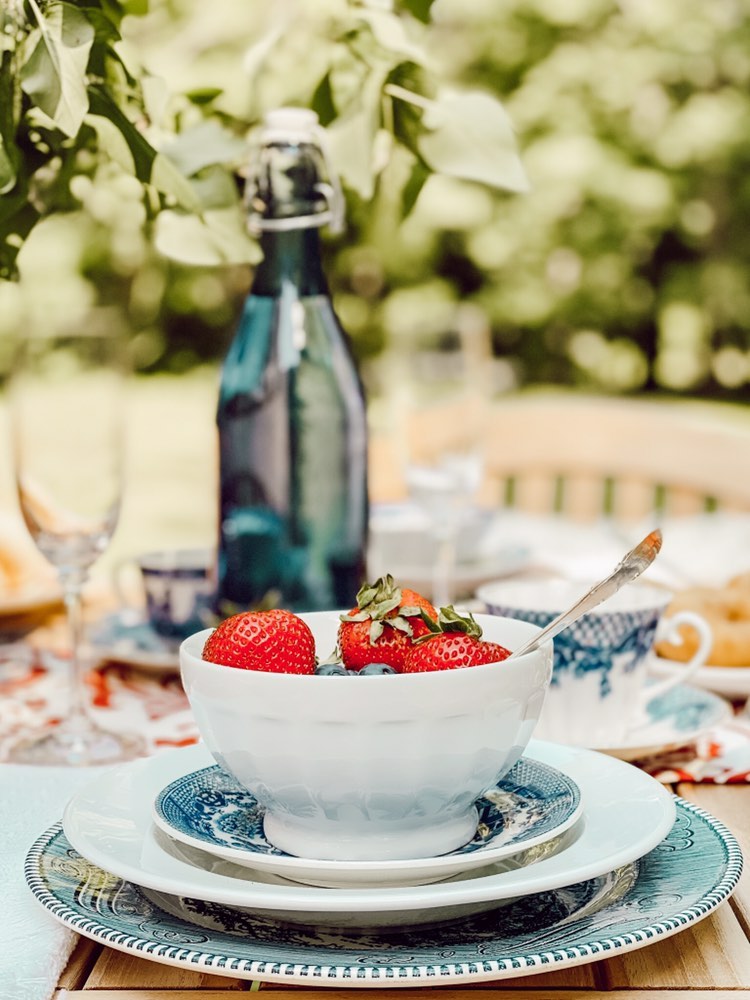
x,y
377,668
331,670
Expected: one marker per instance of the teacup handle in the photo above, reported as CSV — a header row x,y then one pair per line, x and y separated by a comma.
x,y
669,628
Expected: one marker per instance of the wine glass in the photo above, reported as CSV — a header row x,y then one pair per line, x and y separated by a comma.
x,y
441,395
67,429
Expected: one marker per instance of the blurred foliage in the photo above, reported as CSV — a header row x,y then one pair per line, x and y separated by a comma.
x,y
625,268
71,105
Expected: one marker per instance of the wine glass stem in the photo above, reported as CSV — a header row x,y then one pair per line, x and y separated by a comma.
x,y
72,584
445,563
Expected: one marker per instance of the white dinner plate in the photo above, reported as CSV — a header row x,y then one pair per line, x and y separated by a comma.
x,y
679,717
127,637
208,809
626,813
732,682
691,872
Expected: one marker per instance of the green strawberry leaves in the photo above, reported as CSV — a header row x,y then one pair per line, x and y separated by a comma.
x,y
377,602
450,620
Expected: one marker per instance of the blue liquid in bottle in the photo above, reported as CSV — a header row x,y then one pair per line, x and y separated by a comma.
x,y
292,426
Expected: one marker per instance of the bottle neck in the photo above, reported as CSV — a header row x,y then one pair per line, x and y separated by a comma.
x,y
292,257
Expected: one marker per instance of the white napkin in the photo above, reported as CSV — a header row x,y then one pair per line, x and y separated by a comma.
x,y
34,948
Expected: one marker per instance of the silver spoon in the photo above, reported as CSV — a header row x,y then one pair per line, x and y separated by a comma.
x,y
628,569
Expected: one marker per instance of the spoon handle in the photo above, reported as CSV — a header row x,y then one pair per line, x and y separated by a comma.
x,y
628,569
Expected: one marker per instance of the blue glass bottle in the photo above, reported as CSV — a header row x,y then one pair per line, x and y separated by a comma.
x,y
293,507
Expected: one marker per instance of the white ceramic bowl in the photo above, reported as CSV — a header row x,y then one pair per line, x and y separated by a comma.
x,y
373,767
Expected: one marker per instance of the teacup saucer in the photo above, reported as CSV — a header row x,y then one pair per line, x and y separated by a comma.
x,y
525,812
677,718
126,636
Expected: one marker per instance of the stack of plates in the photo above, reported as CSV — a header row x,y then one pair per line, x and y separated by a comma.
x,y
577,855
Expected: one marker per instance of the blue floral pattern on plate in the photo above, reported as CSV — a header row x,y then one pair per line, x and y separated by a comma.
x,y
680,882
126,636
209,809
677,718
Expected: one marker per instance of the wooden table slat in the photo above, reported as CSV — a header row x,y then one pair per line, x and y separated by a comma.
x,y
118,970
730,804
80,963
445,993
714,953
582,977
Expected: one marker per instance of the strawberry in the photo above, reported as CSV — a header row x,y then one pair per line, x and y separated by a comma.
x,y
276,641
455,641
382,626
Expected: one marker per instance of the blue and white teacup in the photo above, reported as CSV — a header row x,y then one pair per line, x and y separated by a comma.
x,y
178,589
599,691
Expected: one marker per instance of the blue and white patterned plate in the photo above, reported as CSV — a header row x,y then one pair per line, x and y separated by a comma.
x,y
677,884
208,809
626,813
126,636
676,719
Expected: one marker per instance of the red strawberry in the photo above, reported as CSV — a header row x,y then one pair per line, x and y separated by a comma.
x,y
455,642
276,641
383,625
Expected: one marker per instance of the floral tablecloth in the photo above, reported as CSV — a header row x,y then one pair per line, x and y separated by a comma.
x,y
154,704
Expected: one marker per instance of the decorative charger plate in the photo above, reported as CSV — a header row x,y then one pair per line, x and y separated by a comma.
x,y
678,718
210,810
626,813
733,682
677,884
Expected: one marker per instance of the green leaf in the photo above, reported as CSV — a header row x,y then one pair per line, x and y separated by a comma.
x,y
469,135
417,179
54,76
204,145
351,138
12,235
168,179
322,101
413,89
113,10
216,187
102,103
402,624
135,7
105,29
10,157
203,95
451,620
376,630
419,9
112,142
389,31
214,238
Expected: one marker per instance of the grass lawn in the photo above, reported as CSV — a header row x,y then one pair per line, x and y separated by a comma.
x,y
172,467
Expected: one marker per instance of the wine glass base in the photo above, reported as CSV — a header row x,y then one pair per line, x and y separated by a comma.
x,y
76,748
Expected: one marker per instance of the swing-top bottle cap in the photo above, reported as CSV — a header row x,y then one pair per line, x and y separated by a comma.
x,y
290,181
290,124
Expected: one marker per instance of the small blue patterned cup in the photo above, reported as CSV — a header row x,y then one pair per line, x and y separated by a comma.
x,y
598,692
178,590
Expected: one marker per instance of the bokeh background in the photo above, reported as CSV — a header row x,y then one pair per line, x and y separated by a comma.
x,y
624,269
